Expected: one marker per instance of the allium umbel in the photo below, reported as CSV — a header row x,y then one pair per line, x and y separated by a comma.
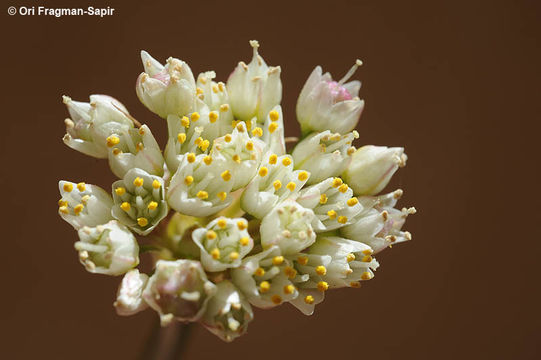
x,y
231,218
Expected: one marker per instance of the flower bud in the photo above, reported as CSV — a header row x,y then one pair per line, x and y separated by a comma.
x,y
129,299
178,290
254,89
136,148
92,123
166,90
325,104
109,249
223,243
372,167
228,313
139,201
214,95
289,227
84,204
324,154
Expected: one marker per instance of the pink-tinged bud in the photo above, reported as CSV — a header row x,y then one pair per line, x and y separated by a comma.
x,y
325,104
129,298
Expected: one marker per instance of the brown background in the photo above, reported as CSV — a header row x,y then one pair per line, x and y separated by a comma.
x,y
455,82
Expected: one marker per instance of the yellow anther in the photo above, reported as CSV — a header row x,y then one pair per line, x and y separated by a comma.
x,y
263,171
257,132
81,186
249,125
67,187
290,272
213,116
342,219
286,161
77,209
222,223
203,195
221,86
355,284
195,116
331,214
321,270
207,159
276,299
367,258
63,209
272,127
367,252
215,88
141,131
62,202
203,80
234,123
198,140
234,255
273,158
222,195
125,206
215,253
259,271
322,286
244,241
240,128
191,157
249,146
350,257
198,91
188,180
85,198
236,158
211,234
274,115
289,289
226,175
156,184
337,182
264,286
343,188
303,176
204,145
323,148
352,202
278,260
117,151
142,221
351,150
242,225
303,260
323,199
366,276
185,121
291,186
112,141
153,205
138,181
224,107
140,146
228,138
277,184
309,299
120,191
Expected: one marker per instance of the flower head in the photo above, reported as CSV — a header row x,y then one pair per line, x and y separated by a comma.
x,y
129,298
92,123
325,104
109,249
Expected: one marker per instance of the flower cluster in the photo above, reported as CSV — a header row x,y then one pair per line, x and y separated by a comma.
x,y
236,220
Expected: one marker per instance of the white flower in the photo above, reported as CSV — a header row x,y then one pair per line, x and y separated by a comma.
x,y
179,290
332,202
201,185
214,95
139,201
109,249
228,313
289,227
379,225
129,299
254,89
166,90
223,243
84,204
266,278
324,154
275,181
135,148
91,124
307,300
325,104
372,167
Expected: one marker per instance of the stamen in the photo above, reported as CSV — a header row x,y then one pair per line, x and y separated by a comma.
x,y
257,132
249,146
336,182
68,187
244,241
289,289
355,284
125,206
321,270
227,138
272,127
322,286
156,184
323,199
207,160
263,171
191,157
85,198
120,191
204,145
152,205
291,186
278,260
240,128
242,225
286,161
112,141
303,176
222,195
226,175
276,299
259,271
222,223
224,107
367,258
277,184
77,209
367,252
274,115
81,186
213,116
309,299
342,219
303,260
211,235
188,180
142,221
236,158
331,214
62,203
234,255
215,253
290,272
352,202
273,158
366,276
185,122
138,181
264,286
63,209
350,72
343,188
350,257
203,195
195,116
